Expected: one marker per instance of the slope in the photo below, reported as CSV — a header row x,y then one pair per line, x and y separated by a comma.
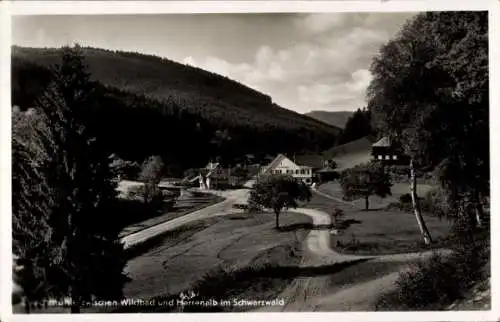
x,y
203,93
351,154
337,119
153,106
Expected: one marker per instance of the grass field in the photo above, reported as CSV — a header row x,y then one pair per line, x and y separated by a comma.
x,y
216,248
181,207
333,189
243,253
379,231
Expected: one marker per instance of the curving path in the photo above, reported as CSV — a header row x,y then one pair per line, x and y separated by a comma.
x,y
219,209
315,293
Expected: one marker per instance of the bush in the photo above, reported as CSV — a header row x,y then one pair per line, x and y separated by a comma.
x,y
254,208
156,196
438,281
429,282
240,206
337,216
435,202
405,198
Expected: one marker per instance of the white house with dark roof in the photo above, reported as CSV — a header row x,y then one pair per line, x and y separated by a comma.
x,y
283,165
212,175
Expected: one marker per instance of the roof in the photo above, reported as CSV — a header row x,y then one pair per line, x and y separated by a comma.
x,y
356,146
351,154
383,142
275,162
310,160
212,165
326,169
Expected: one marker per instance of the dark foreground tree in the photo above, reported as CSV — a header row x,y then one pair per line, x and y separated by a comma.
x,y
278,192
366,180
430,93
31,202
84,258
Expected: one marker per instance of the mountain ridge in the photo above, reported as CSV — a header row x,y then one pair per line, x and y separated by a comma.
x,y
164,79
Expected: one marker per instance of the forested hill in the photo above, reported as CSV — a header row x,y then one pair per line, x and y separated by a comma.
x,y
153,106
203,93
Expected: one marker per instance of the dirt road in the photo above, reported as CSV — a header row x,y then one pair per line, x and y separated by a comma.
x,y
219,209
354,288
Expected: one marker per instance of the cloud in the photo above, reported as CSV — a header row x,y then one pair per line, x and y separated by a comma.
x,y
320,22
325,68
303,61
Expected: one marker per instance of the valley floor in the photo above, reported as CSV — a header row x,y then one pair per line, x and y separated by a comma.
x,y
296,265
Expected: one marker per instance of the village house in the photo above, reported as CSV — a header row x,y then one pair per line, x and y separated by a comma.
x,y
283,165
213,175
323,169
383,150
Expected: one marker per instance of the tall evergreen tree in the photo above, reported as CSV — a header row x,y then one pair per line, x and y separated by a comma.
x,y
87,259
357,126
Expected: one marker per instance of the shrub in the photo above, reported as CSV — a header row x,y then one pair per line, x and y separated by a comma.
x,y
253,207
405,198
156,197
125,169
427,282
435,202
240,206
337,216
439,280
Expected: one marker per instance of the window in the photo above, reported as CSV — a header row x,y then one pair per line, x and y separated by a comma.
x,y
387,157
297,171
394,157
302,171
380,157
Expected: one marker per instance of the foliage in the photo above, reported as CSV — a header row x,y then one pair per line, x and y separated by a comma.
x,y
31,203
240,172
358,125
78,254
337,215
405,198
436,203
278,192
150,175
190,173
436,282
125,169
365,180
153,198
430,94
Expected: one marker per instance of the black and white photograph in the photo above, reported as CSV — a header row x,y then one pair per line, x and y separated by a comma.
x,y
250,162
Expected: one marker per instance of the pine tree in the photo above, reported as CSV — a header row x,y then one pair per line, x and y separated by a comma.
x,y
87,259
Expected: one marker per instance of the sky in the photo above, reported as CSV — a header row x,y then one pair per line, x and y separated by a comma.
x,y
305,62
